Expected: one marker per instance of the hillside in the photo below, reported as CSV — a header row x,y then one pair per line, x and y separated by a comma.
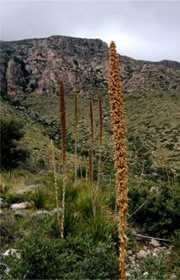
x,y
32,246
37,65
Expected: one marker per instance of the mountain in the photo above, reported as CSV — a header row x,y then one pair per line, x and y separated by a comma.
x,y
37,65
30,71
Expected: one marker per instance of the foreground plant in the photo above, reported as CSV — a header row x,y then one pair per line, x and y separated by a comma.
x,y
119,131
100,140
75,134
92,143
55,183
62,111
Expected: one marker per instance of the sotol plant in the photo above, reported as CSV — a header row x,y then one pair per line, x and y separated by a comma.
x,y
55,183
92,143
75,134
62,111
119,130
100,140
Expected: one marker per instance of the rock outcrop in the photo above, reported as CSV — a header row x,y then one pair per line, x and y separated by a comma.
x,y
37,66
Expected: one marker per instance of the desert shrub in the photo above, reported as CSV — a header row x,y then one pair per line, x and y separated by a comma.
x,y
11,155
40,164
155,267
173,263
16,197
81,171
20,173
160,214
73,258
7,231
163,174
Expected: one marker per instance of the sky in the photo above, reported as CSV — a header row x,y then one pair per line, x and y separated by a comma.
x,y
148,30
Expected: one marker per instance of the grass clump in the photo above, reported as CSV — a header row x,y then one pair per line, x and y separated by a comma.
x,y
40,198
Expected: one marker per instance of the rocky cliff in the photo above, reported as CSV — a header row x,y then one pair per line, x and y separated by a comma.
x,y
37,65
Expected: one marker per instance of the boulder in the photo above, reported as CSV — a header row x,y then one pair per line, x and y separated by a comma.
x,y
22,205
12,252
141,254
154,243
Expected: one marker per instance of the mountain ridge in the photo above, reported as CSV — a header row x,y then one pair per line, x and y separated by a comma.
x,y
36,66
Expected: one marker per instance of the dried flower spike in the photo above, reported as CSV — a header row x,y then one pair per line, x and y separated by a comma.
x,y
62,111
119,131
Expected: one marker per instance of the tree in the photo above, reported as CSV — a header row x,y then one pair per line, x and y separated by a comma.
x,y
11,155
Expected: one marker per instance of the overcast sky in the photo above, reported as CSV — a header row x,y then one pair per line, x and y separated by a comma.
x,y
148,30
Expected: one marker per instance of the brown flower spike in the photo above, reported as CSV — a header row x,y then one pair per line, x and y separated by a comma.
x,y
55,182
62,111
119,137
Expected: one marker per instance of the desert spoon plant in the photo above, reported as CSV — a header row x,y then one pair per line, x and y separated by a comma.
x,y
100,140
119,130
62,112
55,182
91,144
75,134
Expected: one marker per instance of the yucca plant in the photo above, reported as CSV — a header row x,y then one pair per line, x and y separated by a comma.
x,y
53,161
62,111
119,136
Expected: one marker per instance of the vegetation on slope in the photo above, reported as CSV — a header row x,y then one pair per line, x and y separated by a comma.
x,y
89,238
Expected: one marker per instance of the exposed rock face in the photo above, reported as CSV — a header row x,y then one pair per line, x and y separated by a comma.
x,y
37,65
16,76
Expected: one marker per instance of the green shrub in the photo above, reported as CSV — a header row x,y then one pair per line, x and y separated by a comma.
x,y
155,267
10,153
73,258
15,197
160,214
174,260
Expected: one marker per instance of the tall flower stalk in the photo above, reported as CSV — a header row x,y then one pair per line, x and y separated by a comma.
x,y
55,182
75,133
92,143
119,136
62,112
100,140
